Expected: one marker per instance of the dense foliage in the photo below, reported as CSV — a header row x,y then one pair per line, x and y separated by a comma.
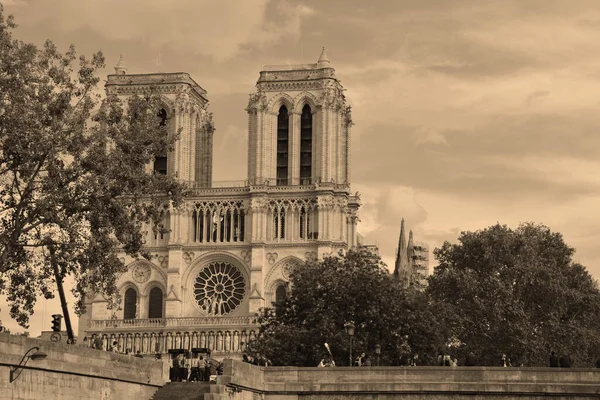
x,y
324,295
72,180
497,291
519,293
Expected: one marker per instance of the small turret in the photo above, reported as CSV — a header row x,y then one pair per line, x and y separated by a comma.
x,y
323,60
120,68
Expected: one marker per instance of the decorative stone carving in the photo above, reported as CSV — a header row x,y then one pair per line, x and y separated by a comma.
x,y
188,256
246,255
163,261
271,258
286,269
348,116
219,288
208,122
256,101
141,273
258,203
310,256
326,202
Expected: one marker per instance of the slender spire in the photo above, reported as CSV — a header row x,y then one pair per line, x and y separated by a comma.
x,y
120,68
323,60
401,255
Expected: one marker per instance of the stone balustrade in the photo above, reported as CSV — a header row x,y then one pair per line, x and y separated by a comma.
x,y
120,324
223,336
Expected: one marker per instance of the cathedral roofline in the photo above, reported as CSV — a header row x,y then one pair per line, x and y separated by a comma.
x,y
159,78
292,67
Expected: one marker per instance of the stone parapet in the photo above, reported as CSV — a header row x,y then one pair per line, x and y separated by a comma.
x,y
74,372
410,382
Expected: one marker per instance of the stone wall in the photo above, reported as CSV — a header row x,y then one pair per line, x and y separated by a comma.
x,y
72,372
418,383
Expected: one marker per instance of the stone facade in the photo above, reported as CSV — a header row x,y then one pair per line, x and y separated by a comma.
x,y
230,248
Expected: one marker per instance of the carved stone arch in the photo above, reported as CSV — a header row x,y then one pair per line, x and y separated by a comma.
x,y
122,290
217,259
281,99
215,255
168,105
127,285
277,271
306,98
145,290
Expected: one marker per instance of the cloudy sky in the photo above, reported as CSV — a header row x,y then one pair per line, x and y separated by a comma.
x,y
467,112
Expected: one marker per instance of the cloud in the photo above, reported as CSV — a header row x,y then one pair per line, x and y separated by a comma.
x,y
197,27
424,135
536,97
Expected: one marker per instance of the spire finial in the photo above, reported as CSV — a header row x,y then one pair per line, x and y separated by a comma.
x,y
323,59
120,68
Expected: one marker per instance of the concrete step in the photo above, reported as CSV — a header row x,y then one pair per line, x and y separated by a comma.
x,y
183,391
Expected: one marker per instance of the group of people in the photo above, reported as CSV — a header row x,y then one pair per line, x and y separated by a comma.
x,y
563,362
193,370
257,359
362,360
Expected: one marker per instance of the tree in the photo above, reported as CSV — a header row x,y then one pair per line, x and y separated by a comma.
x,y
518,292
325,294
73,184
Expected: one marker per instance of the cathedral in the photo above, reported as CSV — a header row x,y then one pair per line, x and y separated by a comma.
x,y
229,249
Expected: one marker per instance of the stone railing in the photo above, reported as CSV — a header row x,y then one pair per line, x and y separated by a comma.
x,y
170,322
422,383
220,341
223,335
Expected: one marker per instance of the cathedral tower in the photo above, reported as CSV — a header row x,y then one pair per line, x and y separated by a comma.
x,y
299,126
185,110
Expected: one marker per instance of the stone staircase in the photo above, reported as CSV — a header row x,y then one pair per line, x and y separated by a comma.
x,y
191,391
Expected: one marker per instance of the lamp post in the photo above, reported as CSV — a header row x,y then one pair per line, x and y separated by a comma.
x,y
349,326
37,355
378,352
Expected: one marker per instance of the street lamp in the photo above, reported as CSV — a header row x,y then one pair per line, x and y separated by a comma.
x,y
349,326
37,355
378,352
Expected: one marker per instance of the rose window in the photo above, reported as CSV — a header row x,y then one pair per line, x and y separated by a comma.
x,y
219,288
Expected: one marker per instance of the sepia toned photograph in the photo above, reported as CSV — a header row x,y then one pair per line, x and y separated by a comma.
x,y
299,200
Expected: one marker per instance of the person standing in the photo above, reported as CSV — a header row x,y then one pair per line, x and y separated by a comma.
x,y
200,369
553,360
471,360
565,361
98,343
207,371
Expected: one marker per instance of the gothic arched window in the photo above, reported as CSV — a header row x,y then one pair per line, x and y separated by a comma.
x,y
129,308
155,303
160,161
306,146
283,130
280,295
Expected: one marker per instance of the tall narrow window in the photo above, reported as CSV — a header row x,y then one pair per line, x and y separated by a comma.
x,y
283,128
160,161
129,308
306,146
155,303
280,295
279,224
